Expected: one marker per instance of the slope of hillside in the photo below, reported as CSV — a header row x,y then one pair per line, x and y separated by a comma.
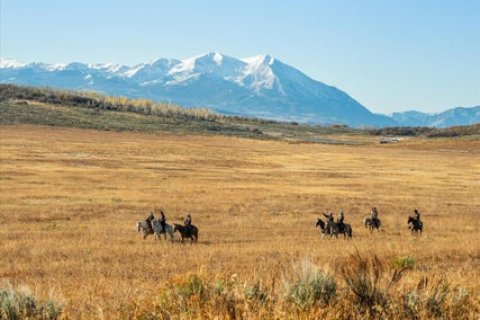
x,y
260,86
26,105
41,106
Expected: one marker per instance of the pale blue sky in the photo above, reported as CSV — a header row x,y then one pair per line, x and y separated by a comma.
x,y
389,55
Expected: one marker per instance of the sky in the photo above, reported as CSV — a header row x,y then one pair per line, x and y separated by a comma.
x,y
388,55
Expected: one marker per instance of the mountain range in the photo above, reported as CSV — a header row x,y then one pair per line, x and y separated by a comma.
x,y
259,86
452,117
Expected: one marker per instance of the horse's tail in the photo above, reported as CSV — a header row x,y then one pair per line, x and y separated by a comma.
x,y
195,231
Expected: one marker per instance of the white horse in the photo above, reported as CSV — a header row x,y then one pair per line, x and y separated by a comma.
x,y
158,230
144,228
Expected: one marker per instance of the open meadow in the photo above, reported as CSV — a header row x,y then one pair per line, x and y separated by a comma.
x,y
70,199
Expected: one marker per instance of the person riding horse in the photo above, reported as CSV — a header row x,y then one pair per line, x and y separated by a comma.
x,y
340,218
416,215
162,219
329,216
414,222
334,228
149,220
374,216
187,222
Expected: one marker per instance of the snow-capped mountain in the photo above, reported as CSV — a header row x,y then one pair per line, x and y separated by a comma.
x,y
260,86
452,117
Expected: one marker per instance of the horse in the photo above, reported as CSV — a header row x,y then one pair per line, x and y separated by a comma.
x,y
336,228
145,228
370,224
186,232
323,227
158,230
415,226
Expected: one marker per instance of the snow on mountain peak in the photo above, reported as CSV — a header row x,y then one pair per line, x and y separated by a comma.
x,y
256,86
10,63
108,67
212,63
260,59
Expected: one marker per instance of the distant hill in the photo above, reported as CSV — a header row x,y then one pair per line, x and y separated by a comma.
x,y
64,108
451,117
260,86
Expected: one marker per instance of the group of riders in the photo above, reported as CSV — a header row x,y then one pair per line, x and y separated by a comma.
x,y
187,221
373,222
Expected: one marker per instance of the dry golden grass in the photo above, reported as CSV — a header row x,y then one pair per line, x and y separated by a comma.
x,y
70,199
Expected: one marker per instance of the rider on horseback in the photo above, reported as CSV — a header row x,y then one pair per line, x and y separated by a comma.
x,y
374,216
416,215
187,222
162,219
149,220
340,218
329,216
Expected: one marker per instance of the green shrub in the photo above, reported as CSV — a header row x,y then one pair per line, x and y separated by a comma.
x,y
310,286
22,305
192,286
404,262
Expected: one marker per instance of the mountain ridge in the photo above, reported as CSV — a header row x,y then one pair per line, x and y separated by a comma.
x,y
259,86
456,116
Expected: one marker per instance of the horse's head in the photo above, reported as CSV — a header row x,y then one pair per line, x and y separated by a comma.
x,y
175,227
320,224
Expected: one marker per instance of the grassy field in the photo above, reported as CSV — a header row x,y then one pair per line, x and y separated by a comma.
x,y
70,199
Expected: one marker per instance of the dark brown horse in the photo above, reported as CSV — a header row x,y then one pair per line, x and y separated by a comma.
x,y
415,226
186,232
339,228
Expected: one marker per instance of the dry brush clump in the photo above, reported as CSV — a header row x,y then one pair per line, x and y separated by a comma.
x,y
21,304
366,287
309,286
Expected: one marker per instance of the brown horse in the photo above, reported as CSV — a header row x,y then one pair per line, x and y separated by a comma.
x,y
415,226
186,232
